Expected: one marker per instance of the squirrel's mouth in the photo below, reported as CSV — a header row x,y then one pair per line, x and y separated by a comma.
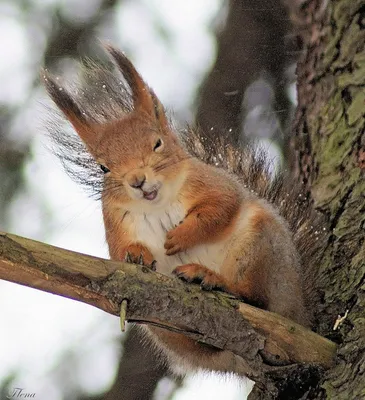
x,y
150,195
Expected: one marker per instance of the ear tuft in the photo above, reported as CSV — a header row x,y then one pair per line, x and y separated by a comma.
x,y
68,106
140,91
62,98
144,98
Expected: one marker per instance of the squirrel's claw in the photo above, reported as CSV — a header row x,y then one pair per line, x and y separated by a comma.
x,y
128,258
140,259
153,265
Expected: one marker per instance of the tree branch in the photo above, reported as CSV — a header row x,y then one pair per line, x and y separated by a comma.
x,y
267,342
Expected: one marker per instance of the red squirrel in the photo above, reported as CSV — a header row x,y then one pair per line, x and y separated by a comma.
x,y
177,213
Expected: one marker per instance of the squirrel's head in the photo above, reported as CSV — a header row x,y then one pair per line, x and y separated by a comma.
x,y
142,159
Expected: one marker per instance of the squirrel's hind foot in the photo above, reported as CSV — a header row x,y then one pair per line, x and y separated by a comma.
x,y
196,273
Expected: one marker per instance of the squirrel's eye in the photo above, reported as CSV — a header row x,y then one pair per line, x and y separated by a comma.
x,y
104,169
158,145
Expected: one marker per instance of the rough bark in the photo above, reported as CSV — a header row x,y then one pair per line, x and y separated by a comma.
x,y
268,344
329,143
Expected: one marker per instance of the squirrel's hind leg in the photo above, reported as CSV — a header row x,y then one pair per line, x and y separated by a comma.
x,y
247,289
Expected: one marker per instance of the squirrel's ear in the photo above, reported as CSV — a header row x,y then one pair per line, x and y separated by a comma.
x,y
144,99
69,107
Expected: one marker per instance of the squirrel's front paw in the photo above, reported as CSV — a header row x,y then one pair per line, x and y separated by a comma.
x,y
176,240
139,254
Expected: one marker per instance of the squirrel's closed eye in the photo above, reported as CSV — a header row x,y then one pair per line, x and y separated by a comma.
x,y
104,169
158,145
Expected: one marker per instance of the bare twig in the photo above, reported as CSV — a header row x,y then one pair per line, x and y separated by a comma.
x,y
340,320
123,314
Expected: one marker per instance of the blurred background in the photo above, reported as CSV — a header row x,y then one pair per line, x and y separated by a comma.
x,y
225,65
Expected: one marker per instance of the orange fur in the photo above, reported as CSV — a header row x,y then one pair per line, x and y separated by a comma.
x,y
197,221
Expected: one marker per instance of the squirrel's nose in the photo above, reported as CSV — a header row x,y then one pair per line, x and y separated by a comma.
x,y
137,181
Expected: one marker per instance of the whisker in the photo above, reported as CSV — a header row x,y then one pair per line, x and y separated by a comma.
x,y
112,186
165,164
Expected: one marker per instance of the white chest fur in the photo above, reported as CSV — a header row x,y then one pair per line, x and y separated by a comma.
x,y
150,229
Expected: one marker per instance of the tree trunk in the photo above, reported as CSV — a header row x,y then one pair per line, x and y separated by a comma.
x,y
329,143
